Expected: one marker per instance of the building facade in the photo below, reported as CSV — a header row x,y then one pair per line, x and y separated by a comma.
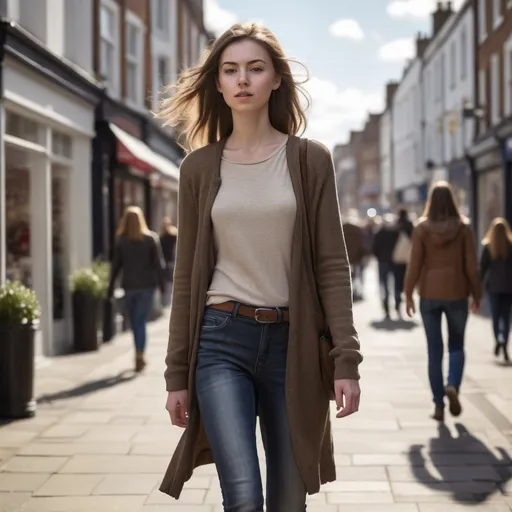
x,y
448,88
345,163
387,179
491,156
49,99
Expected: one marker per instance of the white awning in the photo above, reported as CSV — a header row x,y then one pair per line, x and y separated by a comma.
x,y
134,152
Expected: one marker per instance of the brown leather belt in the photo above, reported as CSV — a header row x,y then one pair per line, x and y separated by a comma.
x,y
261,315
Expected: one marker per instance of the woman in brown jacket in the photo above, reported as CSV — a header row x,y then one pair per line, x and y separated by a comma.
x,y
443,264
261,269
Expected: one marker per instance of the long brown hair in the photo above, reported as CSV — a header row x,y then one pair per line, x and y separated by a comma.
x,y
441,204
197,109
498,239
133,224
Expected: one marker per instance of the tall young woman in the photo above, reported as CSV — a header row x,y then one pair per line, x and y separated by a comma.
x,y
261,268
496,272
443,264
138,257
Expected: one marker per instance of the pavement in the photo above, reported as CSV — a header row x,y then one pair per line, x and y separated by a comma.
x,y
101,438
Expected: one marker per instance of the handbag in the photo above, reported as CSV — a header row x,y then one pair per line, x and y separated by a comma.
x,y
402,250
325,339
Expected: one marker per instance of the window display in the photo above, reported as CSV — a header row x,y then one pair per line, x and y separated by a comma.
x,y
17,199
58,245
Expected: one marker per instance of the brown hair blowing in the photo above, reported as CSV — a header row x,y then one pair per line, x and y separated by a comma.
x,y
441,204
197,110
498,239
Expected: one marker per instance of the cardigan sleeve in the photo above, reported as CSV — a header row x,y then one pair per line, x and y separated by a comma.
x,y
332,273
413,272
177,361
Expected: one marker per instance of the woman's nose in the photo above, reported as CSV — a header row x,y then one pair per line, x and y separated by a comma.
x,y
242,79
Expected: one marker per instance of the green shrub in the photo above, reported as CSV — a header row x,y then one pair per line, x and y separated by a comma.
x,y
18,304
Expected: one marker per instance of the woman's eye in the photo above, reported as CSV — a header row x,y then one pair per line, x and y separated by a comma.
x,y
257,69
229,71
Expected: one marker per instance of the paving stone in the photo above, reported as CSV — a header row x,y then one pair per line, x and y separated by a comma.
x,y
21,482
70,485
13,501
383,507
187,497
105,464
65,431
377,498
85,504
22,464
68,449
127,484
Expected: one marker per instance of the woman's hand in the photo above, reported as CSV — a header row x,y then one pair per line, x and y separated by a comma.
x,y
410,308
177,407
347,396
475,306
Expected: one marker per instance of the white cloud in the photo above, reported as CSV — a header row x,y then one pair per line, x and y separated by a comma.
x,y
334,112
397,51
415,8
218,19
347,29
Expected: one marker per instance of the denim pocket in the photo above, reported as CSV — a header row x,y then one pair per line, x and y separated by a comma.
x,y
214,321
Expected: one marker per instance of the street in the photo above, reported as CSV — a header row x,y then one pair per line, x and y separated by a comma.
x,y
101,438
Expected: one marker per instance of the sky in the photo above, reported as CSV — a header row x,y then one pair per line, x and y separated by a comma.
x,y
350,47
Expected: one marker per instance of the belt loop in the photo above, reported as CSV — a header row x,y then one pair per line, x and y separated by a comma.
x,y
279,315
234,311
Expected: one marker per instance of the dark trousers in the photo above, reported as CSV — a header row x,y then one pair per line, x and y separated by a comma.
x,y
389,270
240,374
456,312
501,306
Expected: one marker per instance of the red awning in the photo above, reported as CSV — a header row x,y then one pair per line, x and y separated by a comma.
x,y
134,152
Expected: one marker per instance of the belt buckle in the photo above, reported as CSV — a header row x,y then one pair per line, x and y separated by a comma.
x,y
257,310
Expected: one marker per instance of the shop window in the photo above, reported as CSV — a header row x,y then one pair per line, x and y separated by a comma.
x,y
24,128
17,229
62,145
58,246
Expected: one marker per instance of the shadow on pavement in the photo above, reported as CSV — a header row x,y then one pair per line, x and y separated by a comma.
x,y
88,387
468,469
394,325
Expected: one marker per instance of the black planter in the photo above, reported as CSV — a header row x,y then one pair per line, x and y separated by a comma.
x,y
85,322
17,371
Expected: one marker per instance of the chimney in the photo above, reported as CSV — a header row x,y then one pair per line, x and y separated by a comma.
x,y
422,41
391,88
440,16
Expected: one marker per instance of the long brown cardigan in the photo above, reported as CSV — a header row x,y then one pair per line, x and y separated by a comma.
x,y
325,268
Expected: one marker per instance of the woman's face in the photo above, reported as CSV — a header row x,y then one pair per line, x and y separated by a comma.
x,y
246,76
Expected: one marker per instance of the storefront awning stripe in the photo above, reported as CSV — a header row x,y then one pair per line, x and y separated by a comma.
x,y
130,145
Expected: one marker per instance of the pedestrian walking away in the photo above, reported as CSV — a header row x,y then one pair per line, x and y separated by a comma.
x,y
138,257
168,237
443,264
496,273
261,318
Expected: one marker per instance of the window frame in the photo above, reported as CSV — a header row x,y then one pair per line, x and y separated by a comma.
x,y
137,60
113,81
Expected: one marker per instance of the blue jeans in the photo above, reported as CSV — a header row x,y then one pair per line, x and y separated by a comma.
x,y
240,374
138,305
501,306
456,312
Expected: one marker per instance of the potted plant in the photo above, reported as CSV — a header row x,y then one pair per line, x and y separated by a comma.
x,y
19,320
106,313
88,290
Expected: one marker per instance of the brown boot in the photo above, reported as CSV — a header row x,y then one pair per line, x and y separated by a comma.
x,y
438,414
453,398
140,362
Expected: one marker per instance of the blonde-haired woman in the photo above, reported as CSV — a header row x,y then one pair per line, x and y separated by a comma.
x,y
138,256
261,269
168,236
496,272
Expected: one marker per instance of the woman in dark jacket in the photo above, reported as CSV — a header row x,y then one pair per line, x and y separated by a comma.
x,y
138,256
168,237
496,271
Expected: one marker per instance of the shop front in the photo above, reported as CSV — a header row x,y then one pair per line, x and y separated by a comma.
x,y
490,195
48,112
458,175
127,172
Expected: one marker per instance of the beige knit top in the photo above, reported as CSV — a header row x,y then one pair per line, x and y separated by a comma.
x,y
253,219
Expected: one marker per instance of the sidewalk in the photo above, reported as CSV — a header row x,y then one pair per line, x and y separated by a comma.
x,y
101,439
